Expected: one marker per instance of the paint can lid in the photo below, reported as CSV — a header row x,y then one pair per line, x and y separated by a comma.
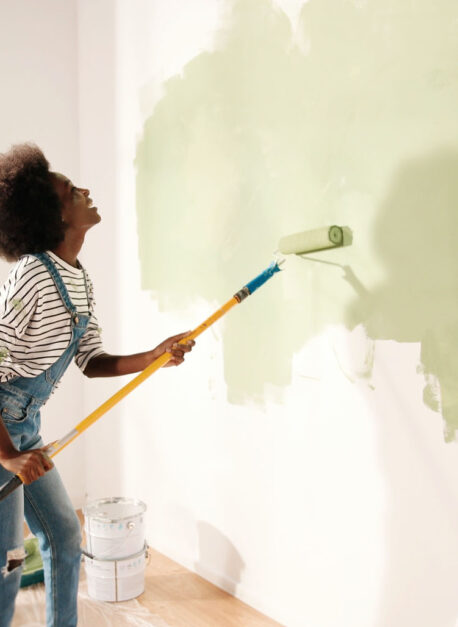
x,y
113,509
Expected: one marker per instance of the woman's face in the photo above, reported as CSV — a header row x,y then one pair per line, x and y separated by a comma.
x,y
76,205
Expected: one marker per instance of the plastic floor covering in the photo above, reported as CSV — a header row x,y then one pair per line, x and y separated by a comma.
x,y
30,610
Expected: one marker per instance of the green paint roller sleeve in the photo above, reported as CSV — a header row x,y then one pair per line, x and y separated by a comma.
x,y
312,241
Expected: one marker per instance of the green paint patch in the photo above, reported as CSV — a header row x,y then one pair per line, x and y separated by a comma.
x,y
258,139
18,304
4,354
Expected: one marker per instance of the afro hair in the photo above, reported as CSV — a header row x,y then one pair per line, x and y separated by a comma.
x,y
30,209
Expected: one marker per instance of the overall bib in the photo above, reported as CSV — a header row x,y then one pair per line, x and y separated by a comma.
x,y
44,503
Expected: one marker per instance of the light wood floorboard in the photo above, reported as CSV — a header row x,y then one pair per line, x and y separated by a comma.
x,y
183,599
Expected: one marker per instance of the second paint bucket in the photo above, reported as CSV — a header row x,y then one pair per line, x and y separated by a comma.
x,y
115,580
115,548
114,527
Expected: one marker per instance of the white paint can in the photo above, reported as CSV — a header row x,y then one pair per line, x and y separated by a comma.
x,y
114,527
115,580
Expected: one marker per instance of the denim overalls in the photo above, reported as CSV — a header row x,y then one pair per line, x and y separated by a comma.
x,y
45,503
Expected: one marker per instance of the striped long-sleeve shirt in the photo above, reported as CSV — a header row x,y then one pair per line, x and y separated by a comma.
x,y
35,325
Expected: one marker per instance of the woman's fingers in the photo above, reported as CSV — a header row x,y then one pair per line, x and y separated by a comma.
x,y
35,464
177,338
47,461
176,348
178,351
182,348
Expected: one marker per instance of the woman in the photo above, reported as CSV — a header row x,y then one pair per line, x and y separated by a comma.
x,y
46,320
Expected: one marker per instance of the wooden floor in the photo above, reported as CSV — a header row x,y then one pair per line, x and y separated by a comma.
x,y
183,599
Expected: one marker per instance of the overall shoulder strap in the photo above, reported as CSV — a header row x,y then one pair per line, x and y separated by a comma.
x,y
58,280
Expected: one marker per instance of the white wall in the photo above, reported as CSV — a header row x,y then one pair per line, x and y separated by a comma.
x,y
98,144
39,103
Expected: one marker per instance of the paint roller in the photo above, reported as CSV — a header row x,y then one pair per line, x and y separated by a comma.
x,y
312,241
322,239
306,242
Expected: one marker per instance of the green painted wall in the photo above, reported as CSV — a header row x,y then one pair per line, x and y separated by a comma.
x,y
349,119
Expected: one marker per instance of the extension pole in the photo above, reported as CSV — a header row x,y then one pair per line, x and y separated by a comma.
x,y
58,446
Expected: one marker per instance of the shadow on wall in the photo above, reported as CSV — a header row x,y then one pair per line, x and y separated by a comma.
x,y
281,130
416,239
219,561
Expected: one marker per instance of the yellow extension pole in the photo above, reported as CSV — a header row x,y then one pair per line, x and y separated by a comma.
x,y
135,382
58,446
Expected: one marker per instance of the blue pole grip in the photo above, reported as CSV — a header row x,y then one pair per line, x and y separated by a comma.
x,y
253,285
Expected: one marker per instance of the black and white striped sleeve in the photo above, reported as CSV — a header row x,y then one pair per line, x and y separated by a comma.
x,y
90,345
18,302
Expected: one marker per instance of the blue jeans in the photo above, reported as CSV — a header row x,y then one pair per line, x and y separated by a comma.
x,y
51,517
45,503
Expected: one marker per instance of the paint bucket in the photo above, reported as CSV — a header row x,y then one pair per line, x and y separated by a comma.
x,y
114,527
115,580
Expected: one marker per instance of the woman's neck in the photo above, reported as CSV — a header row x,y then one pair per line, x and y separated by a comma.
x,y
69,249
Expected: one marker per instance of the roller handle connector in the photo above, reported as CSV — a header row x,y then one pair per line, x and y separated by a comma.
x,y
10,487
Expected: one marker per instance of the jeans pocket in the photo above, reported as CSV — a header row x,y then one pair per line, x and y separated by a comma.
x,y
14,413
